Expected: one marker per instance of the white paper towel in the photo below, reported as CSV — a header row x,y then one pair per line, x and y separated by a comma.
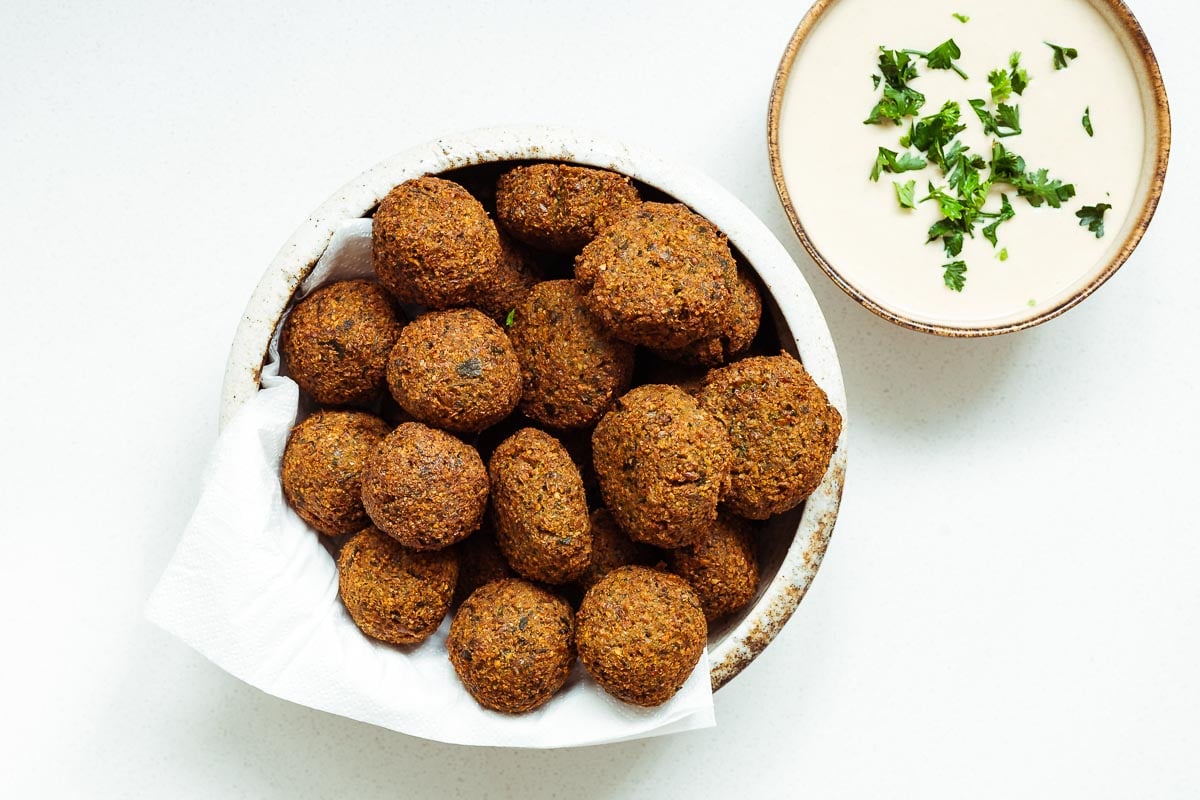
x,y
253,588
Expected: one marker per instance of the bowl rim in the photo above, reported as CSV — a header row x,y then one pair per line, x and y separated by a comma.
x,y
733,651
1147,62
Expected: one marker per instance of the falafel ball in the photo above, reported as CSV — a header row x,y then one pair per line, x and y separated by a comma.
x,y
393,593
722,569
640,634
782,428
571,368
518,272
741,326
424,487
479,561
455,370
539,507
335,342
611,548
433,244
663,464
512,645
560,207
323,465
661,276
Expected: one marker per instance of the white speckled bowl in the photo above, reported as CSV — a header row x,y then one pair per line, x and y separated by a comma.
x,y
792,544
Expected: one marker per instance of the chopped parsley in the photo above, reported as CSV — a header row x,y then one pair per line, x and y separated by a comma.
x,y
1063,56
508,321
970,179
1092,218
954,275
906,194
963,18
1087,121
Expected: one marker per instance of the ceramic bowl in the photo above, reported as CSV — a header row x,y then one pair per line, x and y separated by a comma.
x,y
793,544
1157,129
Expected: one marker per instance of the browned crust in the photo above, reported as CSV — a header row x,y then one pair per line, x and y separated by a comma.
x,y
722,568
663,464
512,645
1159,132
661,276
539,508
640,633
335,342
571,368
741,326
782,429
424,487
561,207
322,468
393,593
433,244
455,370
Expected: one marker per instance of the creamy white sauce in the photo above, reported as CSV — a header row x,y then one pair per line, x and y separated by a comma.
x,y
827,153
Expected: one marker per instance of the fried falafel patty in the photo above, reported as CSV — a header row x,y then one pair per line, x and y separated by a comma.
x,y
539,508
640,633
335,342
433,244
741,326
561,207
722,568
424,487
661,276
663,464
455,370
393,593
322,468
782,428
512,645
571,368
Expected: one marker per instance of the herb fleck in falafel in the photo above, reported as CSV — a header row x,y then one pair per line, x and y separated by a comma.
x,y
663,464
323,465
512,645
571,368
540,509
393,593
335,342
455,370
560,207
722,569
640,634
424,487
433,244
661,276
782,428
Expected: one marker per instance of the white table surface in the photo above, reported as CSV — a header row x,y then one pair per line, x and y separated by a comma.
x,y
1011,603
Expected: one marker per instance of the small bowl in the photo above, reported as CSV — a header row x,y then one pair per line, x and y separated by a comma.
x,y
1157,129
793,544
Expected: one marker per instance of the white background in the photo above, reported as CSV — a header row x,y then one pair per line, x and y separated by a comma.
x,y
1010,606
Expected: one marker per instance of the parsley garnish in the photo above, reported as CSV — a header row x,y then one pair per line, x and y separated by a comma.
x,y
906,194
1087,121
1002,87
1005,122
1036,187
941,57
1003,254
1092,218
891,161
954,275
1017,74
963,18
931,134
508,321
1063,55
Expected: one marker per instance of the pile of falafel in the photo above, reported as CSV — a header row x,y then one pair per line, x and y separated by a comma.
x,y
493,455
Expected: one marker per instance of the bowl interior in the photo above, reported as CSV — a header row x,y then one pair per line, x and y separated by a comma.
x,y
792,544
788,131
